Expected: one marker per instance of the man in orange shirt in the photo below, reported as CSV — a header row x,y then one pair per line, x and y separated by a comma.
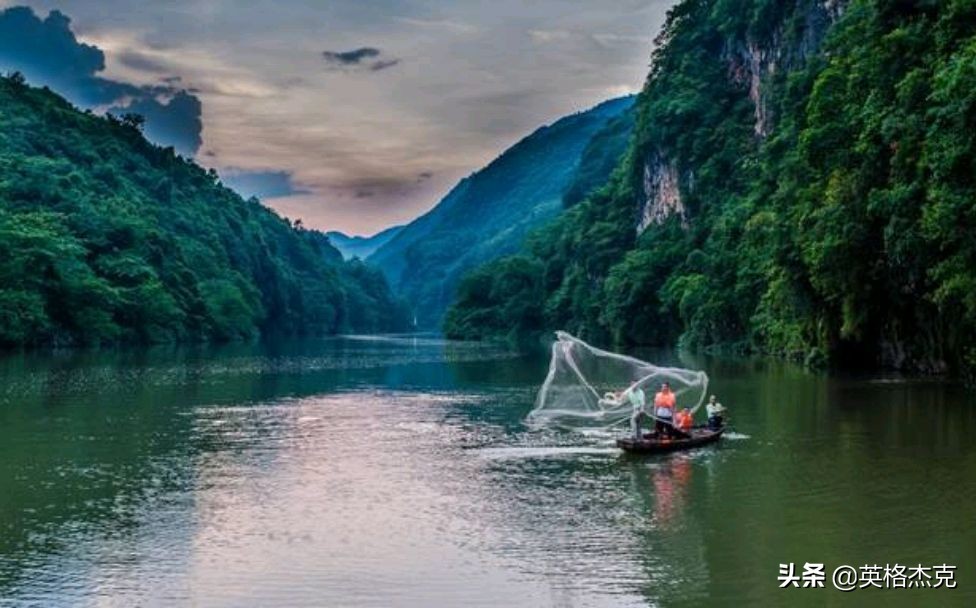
x,y
664,404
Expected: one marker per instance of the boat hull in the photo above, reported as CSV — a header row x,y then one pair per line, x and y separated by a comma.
x,y
652,445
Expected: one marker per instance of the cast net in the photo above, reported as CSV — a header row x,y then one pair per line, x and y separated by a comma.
x,y
590,388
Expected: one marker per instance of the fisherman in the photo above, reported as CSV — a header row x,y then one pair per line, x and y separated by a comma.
x,y
664,404
638,401
716,413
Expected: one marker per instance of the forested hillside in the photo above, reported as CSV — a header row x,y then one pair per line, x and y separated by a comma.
x,y
802,182
488,214
106,238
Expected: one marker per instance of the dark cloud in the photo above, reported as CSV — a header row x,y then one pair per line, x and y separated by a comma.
x,y
47,52
174,121
354,57
383,64
261,184
363,58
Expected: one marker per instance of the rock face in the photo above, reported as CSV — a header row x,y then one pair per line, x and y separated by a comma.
x,y
748,64
751,62
661,193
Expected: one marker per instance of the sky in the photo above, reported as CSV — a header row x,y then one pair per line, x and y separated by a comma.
x,y
351,115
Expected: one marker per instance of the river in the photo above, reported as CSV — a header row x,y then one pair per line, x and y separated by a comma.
x,y
372,471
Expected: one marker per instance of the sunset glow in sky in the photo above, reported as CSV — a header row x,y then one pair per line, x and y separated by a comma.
x,y
360,114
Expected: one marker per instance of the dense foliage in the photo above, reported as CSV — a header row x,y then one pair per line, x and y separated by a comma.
x,y
840,230
488,214
105,238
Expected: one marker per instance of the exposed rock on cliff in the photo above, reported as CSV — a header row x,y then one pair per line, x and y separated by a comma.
x,y
751,62
661,193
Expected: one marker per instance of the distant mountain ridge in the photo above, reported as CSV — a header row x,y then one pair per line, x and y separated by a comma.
x,y
361,246
487,214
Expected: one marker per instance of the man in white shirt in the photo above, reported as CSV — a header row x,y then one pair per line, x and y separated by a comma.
x,y
637,402
716,413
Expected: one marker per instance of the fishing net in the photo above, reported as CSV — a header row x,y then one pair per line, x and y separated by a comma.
x,y
589,388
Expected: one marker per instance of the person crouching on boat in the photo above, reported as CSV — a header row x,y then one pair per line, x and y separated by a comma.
x,y
716,413
664,404
637,401
683,421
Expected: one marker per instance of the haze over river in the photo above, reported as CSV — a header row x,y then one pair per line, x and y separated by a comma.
x,y
377,471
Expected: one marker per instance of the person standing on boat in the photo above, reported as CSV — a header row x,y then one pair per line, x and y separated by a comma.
x,y
664,404
716,412
637,401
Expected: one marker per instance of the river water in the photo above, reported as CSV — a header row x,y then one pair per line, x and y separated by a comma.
x,y
371,471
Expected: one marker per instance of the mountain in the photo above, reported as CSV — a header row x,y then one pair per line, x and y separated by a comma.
x,y
800,182
361,246
600,157
488,214
106,238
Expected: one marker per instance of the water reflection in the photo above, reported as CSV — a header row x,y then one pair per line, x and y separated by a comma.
x,y
670,485
372,472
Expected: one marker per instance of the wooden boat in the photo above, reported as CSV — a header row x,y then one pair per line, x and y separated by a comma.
x,y
651,444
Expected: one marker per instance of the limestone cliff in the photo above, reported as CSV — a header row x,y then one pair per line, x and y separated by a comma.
x,y
751,62
661,193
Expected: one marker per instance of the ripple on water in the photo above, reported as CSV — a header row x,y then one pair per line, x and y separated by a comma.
x,y
502,453
417,485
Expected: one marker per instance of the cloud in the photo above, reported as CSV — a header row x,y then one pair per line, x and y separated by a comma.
x,y
143,63
354,57
383,64
366,58
261,184
47,52
456,27
610,39
471,82
547,36
603,38
174,121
